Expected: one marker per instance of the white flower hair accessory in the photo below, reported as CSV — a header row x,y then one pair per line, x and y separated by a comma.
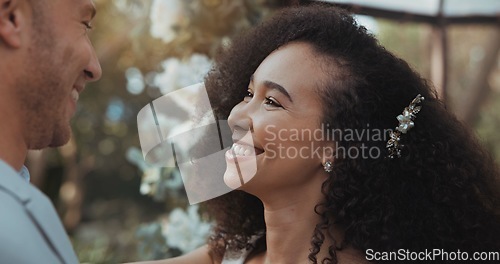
x,y
405,124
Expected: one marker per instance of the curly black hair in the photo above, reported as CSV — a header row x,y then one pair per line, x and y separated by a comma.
x,y
442,193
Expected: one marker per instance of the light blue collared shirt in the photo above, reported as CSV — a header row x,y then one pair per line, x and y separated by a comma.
x,y
29,222
24,173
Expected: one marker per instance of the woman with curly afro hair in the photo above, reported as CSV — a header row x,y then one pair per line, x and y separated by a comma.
x,y
426,185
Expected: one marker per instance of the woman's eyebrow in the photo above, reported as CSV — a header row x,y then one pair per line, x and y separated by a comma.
x,y
274,86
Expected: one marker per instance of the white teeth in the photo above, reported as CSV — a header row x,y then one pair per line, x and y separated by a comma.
x,y
75,95
242,150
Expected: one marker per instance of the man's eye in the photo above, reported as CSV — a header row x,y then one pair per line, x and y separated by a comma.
x,y
270,101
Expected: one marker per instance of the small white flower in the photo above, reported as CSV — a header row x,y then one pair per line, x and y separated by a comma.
x,y
145,188
150,180
165,15
182,73
185,231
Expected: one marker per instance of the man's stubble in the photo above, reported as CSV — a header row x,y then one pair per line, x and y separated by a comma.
x,y
42,95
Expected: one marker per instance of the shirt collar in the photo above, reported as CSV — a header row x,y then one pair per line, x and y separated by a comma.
x,y
25,173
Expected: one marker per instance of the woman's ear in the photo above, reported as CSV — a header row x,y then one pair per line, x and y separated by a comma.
x,y
12,21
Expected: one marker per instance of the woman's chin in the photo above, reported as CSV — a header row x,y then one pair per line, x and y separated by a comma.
x,y
235,178
232,180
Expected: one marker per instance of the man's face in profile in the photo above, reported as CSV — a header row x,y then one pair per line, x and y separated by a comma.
x,y
60,61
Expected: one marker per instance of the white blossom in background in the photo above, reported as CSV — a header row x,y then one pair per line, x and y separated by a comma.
x,y
132,9
135,81
181,73
185,231
151,175
149,180
165,16
134,156
154,182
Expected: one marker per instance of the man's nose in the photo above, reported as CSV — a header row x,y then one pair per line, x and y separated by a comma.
x,y
93,71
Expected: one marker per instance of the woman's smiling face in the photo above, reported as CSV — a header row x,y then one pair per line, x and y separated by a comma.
x,y
283,112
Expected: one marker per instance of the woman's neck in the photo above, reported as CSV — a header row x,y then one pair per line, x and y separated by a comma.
x,y
290,222
289,231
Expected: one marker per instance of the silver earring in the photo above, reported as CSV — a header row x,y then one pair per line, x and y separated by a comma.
x,y
328,166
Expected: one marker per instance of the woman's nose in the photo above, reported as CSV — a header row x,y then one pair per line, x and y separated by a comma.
x,y
240,118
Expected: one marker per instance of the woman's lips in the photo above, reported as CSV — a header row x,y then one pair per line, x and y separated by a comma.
x,y
242,152
241,161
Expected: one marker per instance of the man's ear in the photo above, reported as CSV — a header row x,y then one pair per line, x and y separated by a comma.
x,y
11,22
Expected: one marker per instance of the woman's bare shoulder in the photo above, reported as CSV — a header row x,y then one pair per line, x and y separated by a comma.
x,y
200,255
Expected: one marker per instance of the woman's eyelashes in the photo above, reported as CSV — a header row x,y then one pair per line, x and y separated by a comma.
x,y
248,96
268,101
272,102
